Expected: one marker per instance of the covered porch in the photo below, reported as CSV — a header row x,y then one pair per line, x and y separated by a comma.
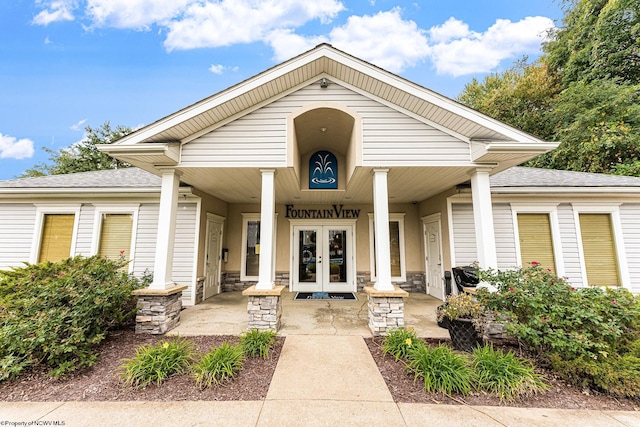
x,y
226,314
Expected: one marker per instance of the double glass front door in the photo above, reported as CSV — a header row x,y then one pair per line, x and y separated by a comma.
x,y
323,258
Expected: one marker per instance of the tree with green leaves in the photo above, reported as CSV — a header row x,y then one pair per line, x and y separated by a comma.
x,y
523,96
586,94
599,39
82,156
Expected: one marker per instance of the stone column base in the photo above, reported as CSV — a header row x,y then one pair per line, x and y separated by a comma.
x,y
158,309
386,310
264,308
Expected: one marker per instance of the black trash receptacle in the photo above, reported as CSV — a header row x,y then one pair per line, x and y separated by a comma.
x,y
465,277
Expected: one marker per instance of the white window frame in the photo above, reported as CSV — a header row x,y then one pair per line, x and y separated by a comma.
x,y
393,217
246,217
618,238
541,208
100,211
41,211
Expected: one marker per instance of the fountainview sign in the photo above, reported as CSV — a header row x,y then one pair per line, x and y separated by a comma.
x,y
336,212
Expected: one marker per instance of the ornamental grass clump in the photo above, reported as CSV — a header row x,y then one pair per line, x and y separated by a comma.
x,y
154,363
504,374
441,370
219,365
399,343
257,343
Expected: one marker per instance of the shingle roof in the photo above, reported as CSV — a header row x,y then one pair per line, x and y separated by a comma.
x,y
118,178
519,176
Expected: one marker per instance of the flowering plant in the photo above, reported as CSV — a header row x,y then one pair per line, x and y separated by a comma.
x,y
461,306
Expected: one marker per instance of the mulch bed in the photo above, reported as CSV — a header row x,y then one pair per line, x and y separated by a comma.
x,y
101,382
403,388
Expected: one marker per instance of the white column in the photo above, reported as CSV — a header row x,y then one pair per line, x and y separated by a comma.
x,y
381,230
483,218
267,222
163,265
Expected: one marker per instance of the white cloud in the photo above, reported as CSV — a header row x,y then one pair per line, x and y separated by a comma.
x,y
451,29
134,14
47,41
13,148
458,51
55,10
286,44
229,22
78,126
384,39
217,69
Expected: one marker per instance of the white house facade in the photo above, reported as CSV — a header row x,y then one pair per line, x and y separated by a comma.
x,y
326,173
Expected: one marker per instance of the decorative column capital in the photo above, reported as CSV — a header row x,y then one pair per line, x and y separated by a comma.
x,y
380,171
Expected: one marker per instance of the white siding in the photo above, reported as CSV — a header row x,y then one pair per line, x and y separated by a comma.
x,y
183,258
569,239
85,230
146,239
464,234
390,138
184,244
630,218
17,221
256,140
505,236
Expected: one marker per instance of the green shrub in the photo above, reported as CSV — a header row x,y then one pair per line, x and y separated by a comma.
x,y
55,314
257,343
618,375
155,363
589,335
399,342
220,364
441,369
504,374
551,317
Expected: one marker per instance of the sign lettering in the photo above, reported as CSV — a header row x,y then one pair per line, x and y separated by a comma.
x,y
337,212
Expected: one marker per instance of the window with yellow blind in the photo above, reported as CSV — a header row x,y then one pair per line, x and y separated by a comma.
x,y
115,235
536,242
57,233
598,246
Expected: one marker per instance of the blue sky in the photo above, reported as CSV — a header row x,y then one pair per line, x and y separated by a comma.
x,y
66,64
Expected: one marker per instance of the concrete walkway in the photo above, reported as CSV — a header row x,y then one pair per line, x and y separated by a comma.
x,y
320,380
227,314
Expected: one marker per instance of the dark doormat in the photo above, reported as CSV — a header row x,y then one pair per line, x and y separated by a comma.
x,y
325,295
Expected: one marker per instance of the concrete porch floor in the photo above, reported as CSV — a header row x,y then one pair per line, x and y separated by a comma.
x,y
226,314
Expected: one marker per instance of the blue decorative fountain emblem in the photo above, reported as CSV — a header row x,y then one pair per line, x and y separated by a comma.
x,y
323,170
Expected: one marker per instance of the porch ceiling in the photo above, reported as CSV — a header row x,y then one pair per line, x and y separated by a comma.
x,y
406,185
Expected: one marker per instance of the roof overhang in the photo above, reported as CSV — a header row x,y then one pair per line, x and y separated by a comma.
x,y
509,152
143,155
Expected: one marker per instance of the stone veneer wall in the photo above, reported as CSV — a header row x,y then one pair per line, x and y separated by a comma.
x,y
385,314
158,314
231,281
200,289
415,281
264,312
